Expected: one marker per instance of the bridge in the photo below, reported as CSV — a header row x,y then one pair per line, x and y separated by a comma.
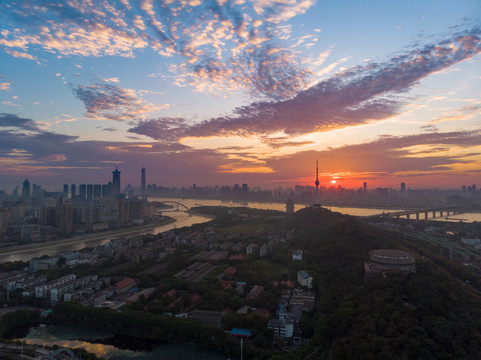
x,y
434,211
158,203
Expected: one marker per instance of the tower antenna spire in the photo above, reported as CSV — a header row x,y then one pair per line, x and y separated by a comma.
x,y
317,203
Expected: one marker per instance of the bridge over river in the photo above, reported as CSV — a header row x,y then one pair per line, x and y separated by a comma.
x,y
425,213
158,204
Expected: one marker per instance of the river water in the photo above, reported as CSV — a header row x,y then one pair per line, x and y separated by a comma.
x,y
271,206
181,217
66,336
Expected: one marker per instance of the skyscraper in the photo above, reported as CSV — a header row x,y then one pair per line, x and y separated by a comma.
x,y
26,189
403,187
142,181
82,189
105,190
66,218
115,182
90,191
97,191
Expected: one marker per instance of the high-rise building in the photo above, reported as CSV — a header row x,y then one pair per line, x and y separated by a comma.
x,y
365,186
82,191
49,216
4,217
115,182
37,191
245,192
73,190
130,210
93,215
97,191
65,190
110,187
90,191
16,210
66,218
142,181
77,215
105,190
290,206
26,189
403,187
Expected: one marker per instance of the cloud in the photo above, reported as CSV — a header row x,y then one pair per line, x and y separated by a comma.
x,y
221,43
111,80
168,130
276,143
5,86
14,121
25,149
41,154
69,28
355,96
281,10
20,55
9,103
264,72
387,157
464,113
105,101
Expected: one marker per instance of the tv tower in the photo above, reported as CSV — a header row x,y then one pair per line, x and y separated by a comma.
x,y
317,204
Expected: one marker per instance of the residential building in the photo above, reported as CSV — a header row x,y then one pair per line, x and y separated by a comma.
x,y
304,279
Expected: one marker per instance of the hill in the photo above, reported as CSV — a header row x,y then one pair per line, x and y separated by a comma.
x,y
430,314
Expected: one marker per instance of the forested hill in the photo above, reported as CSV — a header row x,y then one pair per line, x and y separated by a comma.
x,y
430,314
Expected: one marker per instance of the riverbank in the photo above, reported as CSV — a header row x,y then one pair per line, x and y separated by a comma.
x,y
131,230
25,252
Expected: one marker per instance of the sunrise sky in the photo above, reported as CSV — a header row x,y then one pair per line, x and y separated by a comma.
x,y
223,92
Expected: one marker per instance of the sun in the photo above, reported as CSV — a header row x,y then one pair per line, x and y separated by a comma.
x,y
333,181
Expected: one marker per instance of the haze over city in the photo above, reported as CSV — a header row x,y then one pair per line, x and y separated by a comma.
x,y
223,92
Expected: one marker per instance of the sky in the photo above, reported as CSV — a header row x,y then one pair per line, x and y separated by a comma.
x,y
223,92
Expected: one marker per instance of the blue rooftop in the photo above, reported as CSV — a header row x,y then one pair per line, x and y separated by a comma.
x,y
241,332
303,274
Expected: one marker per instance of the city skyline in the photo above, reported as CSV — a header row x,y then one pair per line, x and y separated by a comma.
x,y
114,186
225,92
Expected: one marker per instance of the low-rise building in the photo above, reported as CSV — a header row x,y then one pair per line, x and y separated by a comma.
x,y
255,292
281,328
212,318
297,255
252,249
124,286
304,279
302,298
385,262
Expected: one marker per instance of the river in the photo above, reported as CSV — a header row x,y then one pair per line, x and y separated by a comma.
x,y
464,217
66,336
356,211
25,253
